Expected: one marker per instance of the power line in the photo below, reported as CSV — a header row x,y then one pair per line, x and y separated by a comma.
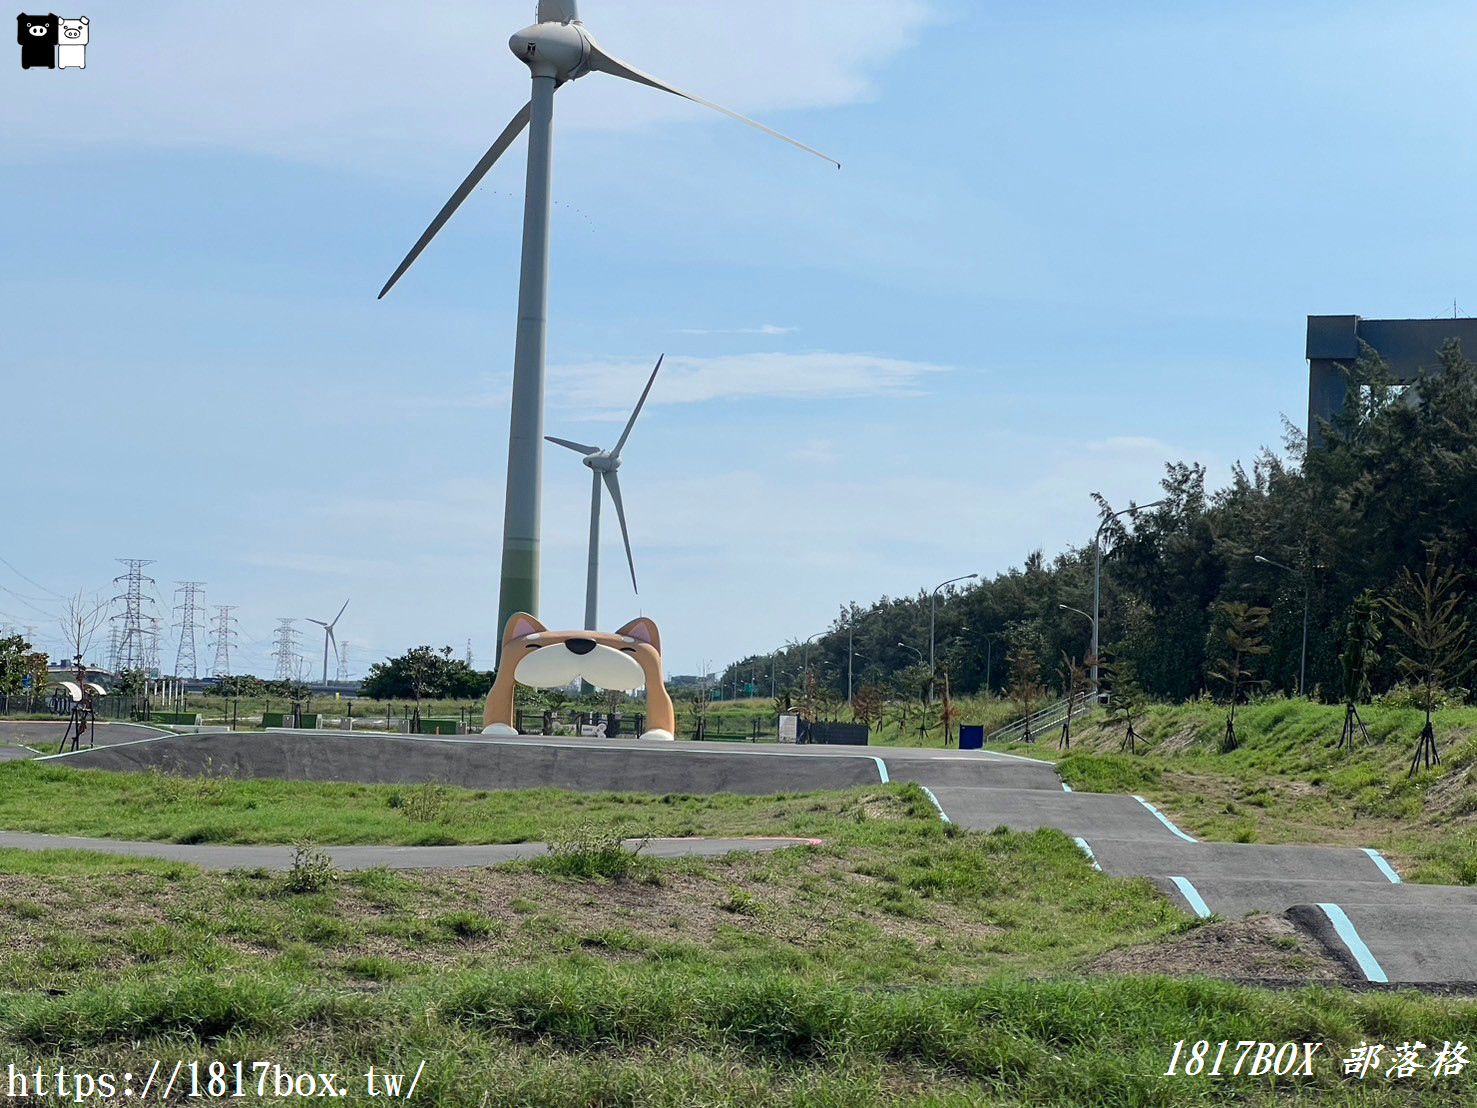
x,y
27,602
23,577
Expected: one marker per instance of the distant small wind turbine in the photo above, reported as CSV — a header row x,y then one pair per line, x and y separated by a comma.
x,y
557,49
604,463
328,638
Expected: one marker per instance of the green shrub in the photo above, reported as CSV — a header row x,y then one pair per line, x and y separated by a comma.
x,y
311,871
589,852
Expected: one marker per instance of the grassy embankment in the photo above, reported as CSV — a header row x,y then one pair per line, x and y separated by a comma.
x,y
904,962
1289,783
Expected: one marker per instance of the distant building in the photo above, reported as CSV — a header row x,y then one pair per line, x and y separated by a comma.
x,y
1408,346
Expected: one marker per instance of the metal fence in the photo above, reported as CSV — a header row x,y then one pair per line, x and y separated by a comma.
x,y
59,705
1032,727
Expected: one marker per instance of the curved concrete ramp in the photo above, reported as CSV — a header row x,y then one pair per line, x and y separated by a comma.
x,y
1235,896
479,763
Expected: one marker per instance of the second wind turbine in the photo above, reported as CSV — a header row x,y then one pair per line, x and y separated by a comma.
x,y
604,464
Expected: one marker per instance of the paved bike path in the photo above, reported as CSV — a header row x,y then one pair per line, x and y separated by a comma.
x,y
1351,898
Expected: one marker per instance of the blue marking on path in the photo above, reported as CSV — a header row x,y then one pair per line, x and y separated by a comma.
x,y
1385,867
1091,857
1192,896
882,769
1346,931
942,814
1163,819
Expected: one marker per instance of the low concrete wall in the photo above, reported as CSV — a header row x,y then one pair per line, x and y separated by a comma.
x,y
478,764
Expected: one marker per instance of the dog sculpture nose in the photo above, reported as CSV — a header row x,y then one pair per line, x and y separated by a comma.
x,y
580,646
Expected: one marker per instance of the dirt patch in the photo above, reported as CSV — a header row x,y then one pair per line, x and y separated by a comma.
x,y
1259,948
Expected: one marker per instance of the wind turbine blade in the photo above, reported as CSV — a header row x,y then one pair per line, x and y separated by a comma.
x,y
616,453
558,11
613,485
319,622
333,640
575,446
494,152
339,616
605,63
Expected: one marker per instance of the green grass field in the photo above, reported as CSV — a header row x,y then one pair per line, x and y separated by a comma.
x,y
166,807
904,962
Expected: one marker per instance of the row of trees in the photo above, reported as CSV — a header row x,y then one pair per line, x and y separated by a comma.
x,y
19,660
1343,532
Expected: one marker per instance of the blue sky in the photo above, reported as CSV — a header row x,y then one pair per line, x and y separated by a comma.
x,y
1070,242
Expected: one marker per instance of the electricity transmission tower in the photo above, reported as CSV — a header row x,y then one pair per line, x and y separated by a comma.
x,y
343,661
151,650
129,653
285,651
114,637
189,621
223,634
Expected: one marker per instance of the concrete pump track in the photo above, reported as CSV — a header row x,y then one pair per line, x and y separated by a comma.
x,y
1351,900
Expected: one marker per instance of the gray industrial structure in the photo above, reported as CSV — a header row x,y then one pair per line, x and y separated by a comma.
x,y
1408,346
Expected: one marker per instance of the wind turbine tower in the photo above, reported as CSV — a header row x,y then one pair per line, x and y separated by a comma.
x,y
328,638
557,49
603,464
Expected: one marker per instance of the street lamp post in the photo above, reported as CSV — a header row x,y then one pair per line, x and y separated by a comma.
x,y
850,652
932,609
1097,576
989,649
805,656
1303,660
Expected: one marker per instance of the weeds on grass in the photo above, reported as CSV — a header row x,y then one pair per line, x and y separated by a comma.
x,y
422,804
311,871
589,852
741,902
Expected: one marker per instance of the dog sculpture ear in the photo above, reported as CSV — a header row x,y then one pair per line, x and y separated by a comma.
x,y
643,630
521,625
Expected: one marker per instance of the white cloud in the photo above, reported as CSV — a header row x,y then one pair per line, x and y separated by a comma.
x,y
607,389
374,83
762,329
815,451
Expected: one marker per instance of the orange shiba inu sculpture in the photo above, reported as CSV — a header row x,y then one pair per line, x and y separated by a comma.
x,y
534,655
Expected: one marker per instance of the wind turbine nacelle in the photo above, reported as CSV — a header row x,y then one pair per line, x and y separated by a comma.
x,y
558,50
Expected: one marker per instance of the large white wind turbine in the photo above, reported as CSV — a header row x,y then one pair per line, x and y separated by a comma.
x,y
556,49
328,638
603,464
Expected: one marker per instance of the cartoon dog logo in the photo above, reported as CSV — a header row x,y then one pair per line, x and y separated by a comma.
x,y
72,44
37,35
534,655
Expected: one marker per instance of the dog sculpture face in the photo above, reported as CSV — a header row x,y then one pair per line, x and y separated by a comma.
x,y
534,655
